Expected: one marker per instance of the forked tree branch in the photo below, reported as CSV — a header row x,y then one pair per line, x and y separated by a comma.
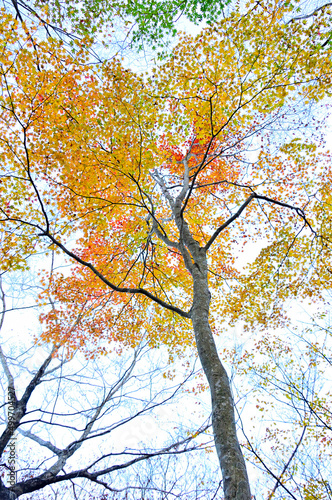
x,y
299,212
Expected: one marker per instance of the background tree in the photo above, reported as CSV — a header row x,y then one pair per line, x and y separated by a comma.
x,y
162,180
282,381
82,425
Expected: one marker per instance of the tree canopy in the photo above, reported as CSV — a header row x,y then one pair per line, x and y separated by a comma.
x,y
153,185
148,23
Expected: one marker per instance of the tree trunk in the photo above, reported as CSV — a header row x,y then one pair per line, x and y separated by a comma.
x,y
5,493
234,473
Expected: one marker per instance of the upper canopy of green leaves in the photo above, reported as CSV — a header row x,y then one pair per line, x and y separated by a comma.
x,y
147,21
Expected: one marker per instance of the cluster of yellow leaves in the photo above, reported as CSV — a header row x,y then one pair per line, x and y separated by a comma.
x,y
80,144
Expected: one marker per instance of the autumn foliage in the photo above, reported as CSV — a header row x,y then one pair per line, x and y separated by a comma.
x,y
221,141
81,146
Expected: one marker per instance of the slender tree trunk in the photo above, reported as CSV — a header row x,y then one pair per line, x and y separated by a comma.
x,y
234,473
232,464
5,493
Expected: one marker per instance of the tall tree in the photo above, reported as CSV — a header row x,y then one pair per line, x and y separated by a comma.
x,y
162,180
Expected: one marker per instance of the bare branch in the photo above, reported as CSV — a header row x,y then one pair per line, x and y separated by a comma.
x,y
228,222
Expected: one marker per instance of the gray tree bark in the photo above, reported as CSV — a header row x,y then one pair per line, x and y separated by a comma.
x,y
234,473
5,493
235,478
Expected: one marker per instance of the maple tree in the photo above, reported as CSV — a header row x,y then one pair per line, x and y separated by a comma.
x,y
162,179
